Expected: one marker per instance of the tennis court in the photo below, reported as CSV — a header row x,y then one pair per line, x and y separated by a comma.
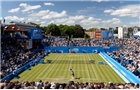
x,y
59,69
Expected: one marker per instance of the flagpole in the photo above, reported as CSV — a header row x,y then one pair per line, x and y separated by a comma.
x,y
4,21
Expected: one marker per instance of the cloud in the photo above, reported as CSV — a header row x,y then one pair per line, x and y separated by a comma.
x,y
121,2
112,21
29,7
71,22
49,4
62,20
0,18
30,19
108,11
128,10
53,14
68,20
86,10
90,21
135,23
100,0
40,13
29,12
76,17
47,14
14,10
43,22
52,21
37,20
14,18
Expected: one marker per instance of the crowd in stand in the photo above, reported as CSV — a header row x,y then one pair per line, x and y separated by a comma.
x,y
69,85
57,41
129,55
14,57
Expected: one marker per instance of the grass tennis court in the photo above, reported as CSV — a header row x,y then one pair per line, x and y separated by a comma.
x,y
59,69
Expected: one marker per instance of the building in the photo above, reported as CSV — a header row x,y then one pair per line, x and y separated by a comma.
x,y
98,34
28,36
122,32
135,29
91,33
104,34
17,26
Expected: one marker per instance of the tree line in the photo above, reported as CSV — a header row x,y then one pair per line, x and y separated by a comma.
x,y
73,31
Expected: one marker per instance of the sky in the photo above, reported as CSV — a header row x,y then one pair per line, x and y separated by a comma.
x,y
87,13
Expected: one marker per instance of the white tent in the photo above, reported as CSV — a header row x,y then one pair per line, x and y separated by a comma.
x,y
137,34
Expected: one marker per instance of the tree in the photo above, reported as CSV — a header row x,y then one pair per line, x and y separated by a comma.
x,y
116,30
93,29
68,30
130,30
86,36
110,28
71,36
62,30
44,28
78,31
72,30
53,29
35,24
102,29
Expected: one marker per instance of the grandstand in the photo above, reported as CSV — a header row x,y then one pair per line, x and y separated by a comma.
x,y
97,63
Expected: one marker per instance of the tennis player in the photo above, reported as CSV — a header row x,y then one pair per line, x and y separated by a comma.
x,y
72,73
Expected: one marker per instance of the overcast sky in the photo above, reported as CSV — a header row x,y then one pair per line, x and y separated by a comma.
x,y
95,13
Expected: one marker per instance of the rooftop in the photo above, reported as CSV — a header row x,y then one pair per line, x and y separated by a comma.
x,y
22,24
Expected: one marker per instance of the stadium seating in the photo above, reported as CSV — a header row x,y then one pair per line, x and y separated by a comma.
x,y
128,56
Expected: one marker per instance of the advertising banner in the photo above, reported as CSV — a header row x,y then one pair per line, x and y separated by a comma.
x,y
107,34
35,33
29,44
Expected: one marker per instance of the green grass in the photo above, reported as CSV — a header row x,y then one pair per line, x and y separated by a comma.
x,y
59,69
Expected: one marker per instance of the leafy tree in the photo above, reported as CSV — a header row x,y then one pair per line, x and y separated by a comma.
x,y
35,24
92,29
78,31
86,36
53,29
130,30
116,30
69,31
110,28
44,28
102,29
71,36
62,30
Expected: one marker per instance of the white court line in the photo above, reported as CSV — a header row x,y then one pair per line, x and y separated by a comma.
x,y
52,67
69,78
70,63
87,69
67,70
45,69
94,70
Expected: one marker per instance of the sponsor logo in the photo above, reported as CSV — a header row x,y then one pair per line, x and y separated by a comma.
x,y
37,33
110,34
75,49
